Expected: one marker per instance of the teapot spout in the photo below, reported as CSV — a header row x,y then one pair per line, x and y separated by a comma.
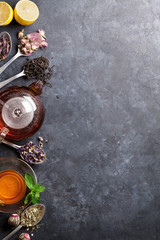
x,y
36,87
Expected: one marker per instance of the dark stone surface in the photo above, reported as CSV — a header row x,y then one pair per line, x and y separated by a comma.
x,y
102,173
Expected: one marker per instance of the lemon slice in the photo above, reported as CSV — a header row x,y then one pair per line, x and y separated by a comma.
x,y
6,13
26,12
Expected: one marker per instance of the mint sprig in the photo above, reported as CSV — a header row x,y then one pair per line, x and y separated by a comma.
x,y
36,189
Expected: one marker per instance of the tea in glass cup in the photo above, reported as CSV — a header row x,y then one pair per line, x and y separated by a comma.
x,y
12,186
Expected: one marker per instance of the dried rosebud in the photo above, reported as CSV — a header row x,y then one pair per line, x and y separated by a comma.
x,y
42,32
20,34
34,37
28,45
40,138
14,220
23,41
44,44
35,46
24,50
24,236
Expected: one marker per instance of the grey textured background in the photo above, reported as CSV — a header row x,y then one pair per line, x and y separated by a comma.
x,y
102,119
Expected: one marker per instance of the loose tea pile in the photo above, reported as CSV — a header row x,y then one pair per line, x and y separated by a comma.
x,y
31,153
32,215
38,68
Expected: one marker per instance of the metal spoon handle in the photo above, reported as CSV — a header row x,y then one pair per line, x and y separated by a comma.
x,y
5,82
13,232
18,54
11,144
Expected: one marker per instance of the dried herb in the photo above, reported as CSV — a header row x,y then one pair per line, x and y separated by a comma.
x,y
31,153
24,236
32,215
38,68
36,189
31,42
5,46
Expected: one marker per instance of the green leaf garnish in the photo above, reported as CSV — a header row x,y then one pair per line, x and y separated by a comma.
x,y
27,198
35,200
29,180
36,189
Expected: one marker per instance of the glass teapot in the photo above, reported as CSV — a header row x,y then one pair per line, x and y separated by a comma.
x,y
21,111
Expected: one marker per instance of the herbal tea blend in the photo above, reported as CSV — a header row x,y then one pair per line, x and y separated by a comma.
x,y
31,153
32,215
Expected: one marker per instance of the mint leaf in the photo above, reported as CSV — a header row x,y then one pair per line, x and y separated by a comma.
x,y
38,188
27,198
35,200
29,180
37,195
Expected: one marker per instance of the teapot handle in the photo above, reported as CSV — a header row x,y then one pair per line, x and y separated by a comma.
x,y
3,133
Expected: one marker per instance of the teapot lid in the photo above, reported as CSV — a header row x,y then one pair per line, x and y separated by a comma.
x,y
18,112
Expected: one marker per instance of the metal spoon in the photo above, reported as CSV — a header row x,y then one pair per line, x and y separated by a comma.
x,y
17,147
5,82
18,54
41,206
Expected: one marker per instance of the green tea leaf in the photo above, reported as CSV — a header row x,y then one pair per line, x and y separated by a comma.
x,y
35,200
27,198
38,188
29,180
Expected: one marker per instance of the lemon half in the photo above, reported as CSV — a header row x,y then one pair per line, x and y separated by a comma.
x,y
26,12
6,13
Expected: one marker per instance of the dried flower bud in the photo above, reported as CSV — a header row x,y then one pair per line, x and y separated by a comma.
x,y
40,138
23,41
24,236
35,46
24,50
42,32
14,220
20,34
44,44
28,45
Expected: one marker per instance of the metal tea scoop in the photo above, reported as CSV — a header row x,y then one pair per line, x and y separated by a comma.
x,y
22,155
28,215
21,74
18,54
